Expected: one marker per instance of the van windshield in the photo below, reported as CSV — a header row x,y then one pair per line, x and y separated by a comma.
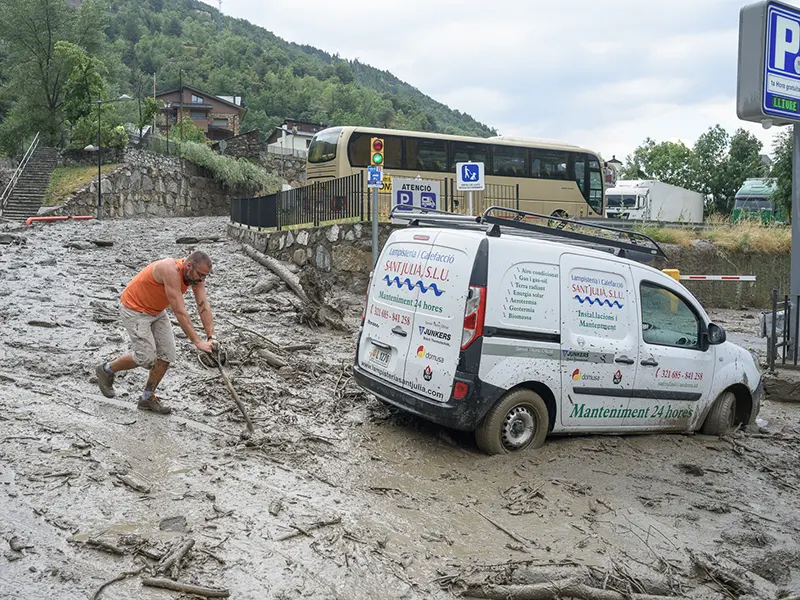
x,y
617,200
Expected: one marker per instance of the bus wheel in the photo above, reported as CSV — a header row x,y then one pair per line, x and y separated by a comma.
x,y
561,214
721,417
519,420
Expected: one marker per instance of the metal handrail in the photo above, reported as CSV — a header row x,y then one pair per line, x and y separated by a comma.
x,y
15,177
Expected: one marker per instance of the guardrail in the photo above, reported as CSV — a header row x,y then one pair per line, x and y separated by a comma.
x,y
634,223
20,169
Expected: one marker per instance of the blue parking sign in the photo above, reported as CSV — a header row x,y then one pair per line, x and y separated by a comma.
x,y
374,176
405,200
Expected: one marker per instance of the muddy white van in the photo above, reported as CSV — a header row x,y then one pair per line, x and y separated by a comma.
x,y
486,324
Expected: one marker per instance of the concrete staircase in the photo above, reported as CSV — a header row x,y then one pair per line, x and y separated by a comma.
x,y
26,199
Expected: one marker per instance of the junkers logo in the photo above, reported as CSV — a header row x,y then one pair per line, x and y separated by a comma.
x,y
434,334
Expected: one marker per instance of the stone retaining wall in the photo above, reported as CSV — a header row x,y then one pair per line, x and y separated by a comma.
x,y
149,184
289,168
343,251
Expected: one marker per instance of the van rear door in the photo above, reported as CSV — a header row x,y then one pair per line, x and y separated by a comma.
x,y
415,311
435,345
386,335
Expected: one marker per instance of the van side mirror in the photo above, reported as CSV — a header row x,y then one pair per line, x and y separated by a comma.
x,y
716,334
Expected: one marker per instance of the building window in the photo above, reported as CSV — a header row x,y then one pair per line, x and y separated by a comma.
x,y
197,115
220,122
196,99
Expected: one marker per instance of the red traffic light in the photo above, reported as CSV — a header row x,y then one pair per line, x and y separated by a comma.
x,y
377,144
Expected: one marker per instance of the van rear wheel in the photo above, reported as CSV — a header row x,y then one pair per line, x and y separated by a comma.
x,y
519,420
721,418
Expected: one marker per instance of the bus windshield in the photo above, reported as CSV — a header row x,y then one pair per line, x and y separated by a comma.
x,y
323,145
753,203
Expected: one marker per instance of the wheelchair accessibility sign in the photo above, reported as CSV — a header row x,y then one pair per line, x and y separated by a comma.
x,y
469,176
416,193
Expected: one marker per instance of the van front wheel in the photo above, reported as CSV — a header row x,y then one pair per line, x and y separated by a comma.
x,y
519,420
721,417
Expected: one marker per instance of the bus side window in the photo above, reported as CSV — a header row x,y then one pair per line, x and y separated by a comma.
x,y
549,164
508,161
424,154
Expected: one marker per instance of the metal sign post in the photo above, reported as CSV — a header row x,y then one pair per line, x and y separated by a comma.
x,y
469,177
768,91
374,226
374,182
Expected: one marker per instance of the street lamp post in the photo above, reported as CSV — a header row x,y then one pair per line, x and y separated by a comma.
x,y
99,150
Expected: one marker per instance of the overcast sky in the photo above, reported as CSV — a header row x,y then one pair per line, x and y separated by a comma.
x,y
604,75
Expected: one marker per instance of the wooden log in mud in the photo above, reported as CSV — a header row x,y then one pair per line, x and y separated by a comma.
x,y
279,269
197,590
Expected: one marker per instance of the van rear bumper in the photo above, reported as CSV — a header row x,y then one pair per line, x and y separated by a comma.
x,y
464,415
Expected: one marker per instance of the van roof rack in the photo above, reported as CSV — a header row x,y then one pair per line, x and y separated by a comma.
x,y
624,243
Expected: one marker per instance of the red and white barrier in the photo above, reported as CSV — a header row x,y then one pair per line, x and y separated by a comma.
x,y
718,277
30,220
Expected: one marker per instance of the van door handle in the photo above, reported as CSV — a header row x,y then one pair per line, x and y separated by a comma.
x,y
399,331
649,362
386,347
624,360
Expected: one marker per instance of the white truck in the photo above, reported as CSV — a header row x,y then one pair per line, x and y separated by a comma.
x,y
651,200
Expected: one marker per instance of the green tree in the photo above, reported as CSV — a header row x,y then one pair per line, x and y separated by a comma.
x,y
37,73
112,133
669,162
743,162
84,82
191,132
782,147
711,151
148,109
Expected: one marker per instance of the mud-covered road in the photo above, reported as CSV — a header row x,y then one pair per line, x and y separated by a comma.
x,y
335,496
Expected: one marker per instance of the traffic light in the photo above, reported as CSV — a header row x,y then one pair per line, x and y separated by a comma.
x,y
376,152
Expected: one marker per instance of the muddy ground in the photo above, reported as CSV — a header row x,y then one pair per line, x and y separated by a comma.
x,y
335,496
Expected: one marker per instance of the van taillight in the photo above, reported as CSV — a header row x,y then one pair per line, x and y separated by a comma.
x,y
474,313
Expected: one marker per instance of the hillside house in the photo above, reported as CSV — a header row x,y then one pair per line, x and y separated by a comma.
x,y
292,137
218,116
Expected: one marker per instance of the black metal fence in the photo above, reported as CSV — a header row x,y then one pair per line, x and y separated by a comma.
x,y
349,199
323,201
781,332
260,212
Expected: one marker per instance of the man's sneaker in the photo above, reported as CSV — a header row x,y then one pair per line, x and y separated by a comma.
x,y
105,381
154,405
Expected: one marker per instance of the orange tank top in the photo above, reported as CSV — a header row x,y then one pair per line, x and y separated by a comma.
x,y
144,294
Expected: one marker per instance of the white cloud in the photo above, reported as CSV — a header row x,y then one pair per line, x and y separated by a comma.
x,y
602,75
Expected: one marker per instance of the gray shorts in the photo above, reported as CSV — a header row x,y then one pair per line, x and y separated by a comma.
x,y
151,336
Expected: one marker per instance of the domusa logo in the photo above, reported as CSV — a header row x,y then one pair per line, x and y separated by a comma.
x,y
421,352
434,334
578,375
